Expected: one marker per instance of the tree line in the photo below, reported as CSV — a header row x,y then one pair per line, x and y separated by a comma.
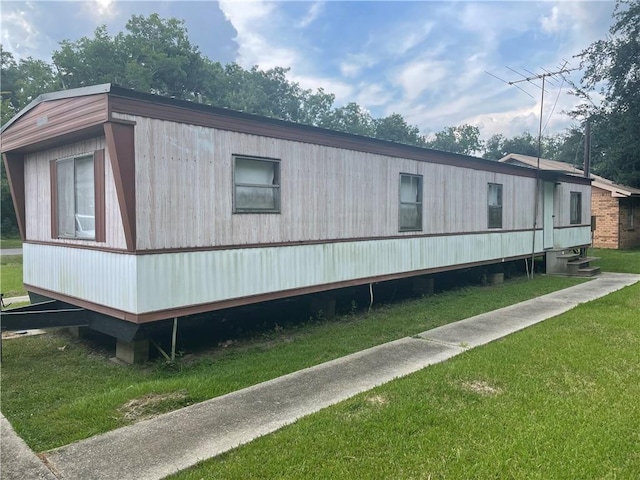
x,y
155,55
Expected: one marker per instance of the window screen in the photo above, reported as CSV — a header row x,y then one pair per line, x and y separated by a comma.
x,y
495,205
576,208
76,197
410,202
256,185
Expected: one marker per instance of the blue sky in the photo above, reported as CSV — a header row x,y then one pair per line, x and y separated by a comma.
x,y
426,60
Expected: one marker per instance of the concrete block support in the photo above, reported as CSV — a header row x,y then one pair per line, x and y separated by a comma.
x,y
79,332
495,278
136,351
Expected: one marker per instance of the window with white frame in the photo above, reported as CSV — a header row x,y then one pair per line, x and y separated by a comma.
x,y
575,208
256,185
76,202
494,205
410,202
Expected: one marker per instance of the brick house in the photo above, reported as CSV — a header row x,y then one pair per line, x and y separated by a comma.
x,y
616,207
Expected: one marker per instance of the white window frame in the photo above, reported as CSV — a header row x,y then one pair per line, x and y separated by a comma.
x,y
275,185
575,219
81,232
418,203
495,208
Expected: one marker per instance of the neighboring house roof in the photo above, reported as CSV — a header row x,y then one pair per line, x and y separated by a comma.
x,y
545,164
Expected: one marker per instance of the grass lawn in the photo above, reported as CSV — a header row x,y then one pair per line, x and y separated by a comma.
x,y
11,275
558,400
622,261
56,390
10,243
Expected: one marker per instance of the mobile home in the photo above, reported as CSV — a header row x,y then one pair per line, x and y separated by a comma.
x,y
139,208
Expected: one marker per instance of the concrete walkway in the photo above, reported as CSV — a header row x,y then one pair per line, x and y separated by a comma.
x,y
17,461
10,251
9,300
158,447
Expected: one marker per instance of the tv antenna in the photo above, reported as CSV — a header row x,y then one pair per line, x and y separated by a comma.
x,y
531,78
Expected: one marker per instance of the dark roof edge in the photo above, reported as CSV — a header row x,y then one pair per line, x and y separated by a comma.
x,y
62,94
118,91
205,108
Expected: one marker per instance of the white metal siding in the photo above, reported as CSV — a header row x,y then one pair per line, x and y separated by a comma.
x,y
563,195
103,278
571,237
181,279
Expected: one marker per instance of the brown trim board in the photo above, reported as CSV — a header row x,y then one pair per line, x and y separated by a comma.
x,y
14,167
95,307
53,181
91,246
159,251
120,141
563,227
86,245
248,300
99,187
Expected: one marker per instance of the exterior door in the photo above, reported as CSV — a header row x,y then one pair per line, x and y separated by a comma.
x,y
547,218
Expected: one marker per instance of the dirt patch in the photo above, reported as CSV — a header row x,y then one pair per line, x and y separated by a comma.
x,y
153,404
377,400
21,333
482,388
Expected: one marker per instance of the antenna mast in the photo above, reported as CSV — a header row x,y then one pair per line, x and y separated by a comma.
x,y
533,77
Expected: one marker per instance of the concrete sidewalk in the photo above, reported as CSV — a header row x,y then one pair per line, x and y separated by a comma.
x,y
158,447
17,461
11,251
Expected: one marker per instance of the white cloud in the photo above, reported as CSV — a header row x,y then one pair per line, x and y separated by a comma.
x,y
249,18
416,77
19,35
373,95
552,23
314,12
353,65
343,91
101,9
407,36
575,25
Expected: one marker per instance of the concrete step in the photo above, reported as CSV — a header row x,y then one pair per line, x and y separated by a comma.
x,y
586,272
568,256
583,261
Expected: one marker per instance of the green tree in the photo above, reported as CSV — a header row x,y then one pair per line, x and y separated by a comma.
x,y
351,118
22,82
612,68
464,139
91,61
9,77
395,129
498,146
155,55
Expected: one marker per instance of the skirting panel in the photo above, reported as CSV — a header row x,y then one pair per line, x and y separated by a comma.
x,y
99,277
140,284
190,278
571,237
